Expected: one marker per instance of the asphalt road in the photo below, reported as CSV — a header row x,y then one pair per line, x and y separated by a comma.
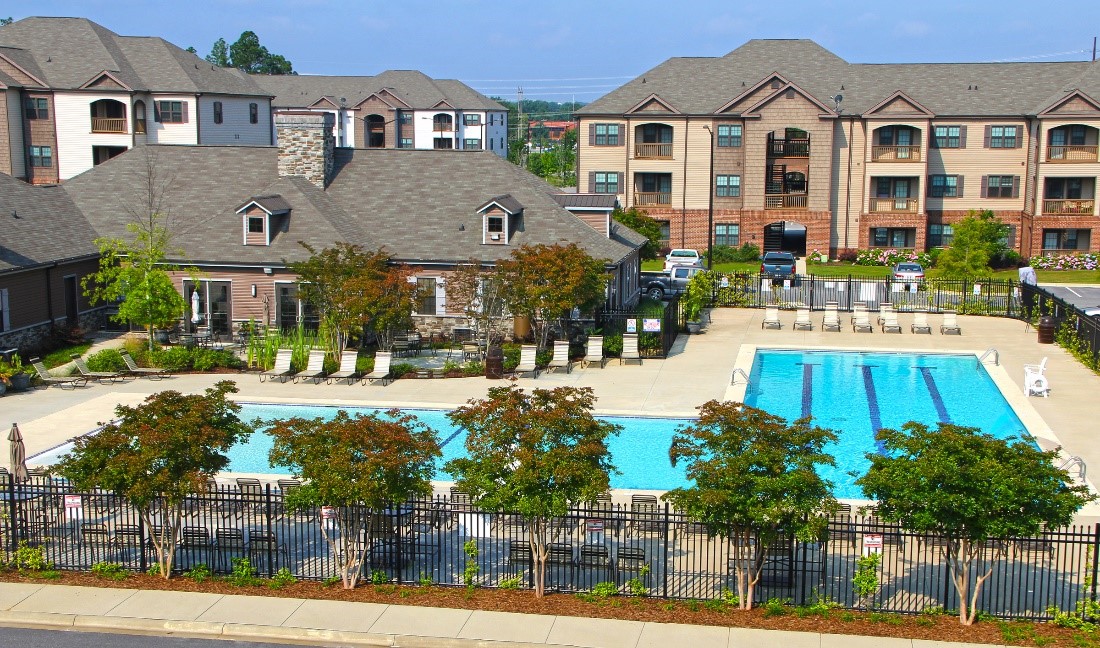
x,y
26,638
1079,296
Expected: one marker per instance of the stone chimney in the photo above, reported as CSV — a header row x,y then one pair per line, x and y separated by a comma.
x,y
306,145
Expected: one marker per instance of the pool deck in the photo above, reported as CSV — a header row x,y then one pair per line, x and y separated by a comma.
x,y
700,368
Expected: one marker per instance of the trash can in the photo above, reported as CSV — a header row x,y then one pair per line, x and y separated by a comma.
x,y
494,363
1046,330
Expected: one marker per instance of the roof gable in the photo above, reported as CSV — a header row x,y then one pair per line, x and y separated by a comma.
x,y
505,202
324,102
1074,103
443,104
17,72
751,94
653,103
899,104
106,80
271,204
789,91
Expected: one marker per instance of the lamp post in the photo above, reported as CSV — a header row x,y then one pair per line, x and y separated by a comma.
x,y
710,202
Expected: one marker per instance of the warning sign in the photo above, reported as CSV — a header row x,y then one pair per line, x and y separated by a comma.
x,y
872,543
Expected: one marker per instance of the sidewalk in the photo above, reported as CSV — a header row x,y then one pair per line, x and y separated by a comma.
x,y
369,624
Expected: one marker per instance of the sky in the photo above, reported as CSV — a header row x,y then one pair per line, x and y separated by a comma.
x,y
578,50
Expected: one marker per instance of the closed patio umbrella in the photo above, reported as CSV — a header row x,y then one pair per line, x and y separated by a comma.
x,y
196,317
18,454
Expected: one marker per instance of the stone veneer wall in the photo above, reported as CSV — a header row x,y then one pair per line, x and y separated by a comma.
x,y
30,339
306,145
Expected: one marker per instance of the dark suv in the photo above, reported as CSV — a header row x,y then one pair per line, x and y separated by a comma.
x,y
777,264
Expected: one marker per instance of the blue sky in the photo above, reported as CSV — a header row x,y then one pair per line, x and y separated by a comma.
x,y
581,49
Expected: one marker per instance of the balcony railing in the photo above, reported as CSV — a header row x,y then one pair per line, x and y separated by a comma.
x,y
653,150
894,205
108,124
1076,206
652,198
1064,250
1072,153
785,201
442,128
910,153
795,148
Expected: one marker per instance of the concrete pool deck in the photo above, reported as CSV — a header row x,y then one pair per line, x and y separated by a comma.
x,y
700,368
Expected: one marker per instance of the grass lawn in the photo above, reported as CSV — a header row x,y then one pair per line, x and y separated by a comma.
x,y
60,356
879,272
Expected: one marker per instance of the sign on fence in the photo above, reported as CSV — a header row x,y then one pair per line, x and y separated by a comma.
x,y
872,543
73,508
631,325
651,325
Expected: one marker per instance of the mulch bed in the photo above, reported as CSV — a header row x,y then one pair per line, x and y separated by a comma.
x,y
836,621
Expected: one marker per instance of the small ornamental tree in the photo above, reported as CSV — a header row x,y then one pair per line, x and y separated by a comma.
x,y
977,239
158,454
968,487
535,455
358,465
474,287
754,481
641,223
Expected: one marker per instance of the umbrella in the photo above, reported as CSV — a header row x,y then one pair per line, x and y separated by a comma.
x,y
195,315
18,455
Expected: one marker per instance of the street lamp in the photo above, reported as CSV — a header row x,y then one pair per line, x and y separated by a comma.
x,y
710,203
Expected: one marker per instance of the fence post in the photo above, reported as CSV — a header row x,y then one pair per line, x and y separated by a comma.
x,y
270,531
1095,559
13,518
664,558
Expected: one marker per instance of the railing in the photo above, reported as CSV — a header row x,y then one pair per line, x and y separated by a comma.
x,y
1071,153
1068,319
652,198
108,124
785,201
651,344
894,205
1069,206
653,150
438,127
793,148
1047,250
909,153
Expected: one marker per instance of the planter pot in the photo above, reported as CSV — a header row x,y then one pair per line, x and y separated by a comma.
x,y
20,382
3,388
160,336
694,327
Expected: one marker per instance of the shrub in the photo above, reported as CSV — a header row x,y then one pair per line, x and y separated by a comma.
x,y
511,583
199,573
106,360
847,255
364,364
180,358
817,257
613,345
243,574
474,368
282,578
890,256
605,589
511,355
112,571
746,253
399,369
723,254
1087,261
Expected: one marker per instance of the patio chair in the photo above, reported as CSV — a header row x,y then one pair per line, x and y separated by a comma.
x,y
594,352
920,323
771,318
631,561
1035,380
883,309
890,322
857,308
526,364
1040,368
950,323
281,369
381,369
156,373
630,349
862,322
60,381
802,319
101,376
594,565
228,544
315,367
561,357
831,320
347,368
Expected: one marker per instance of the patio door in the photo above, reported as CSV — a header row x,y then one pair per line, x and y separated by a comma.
x,y
901,195
209,303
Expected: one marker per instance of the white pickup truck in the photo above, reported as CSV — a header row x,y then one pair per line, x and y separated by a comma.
x,y
680,256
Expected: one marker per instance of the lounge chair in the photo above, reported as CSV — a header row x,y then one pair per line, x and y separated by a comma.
x,y
1035,383
861,322
347,368
802,320
920,323
857,308
281,370
883,309
156,373
1040,368
60,381
101,376
315,367
890,322
831,320
630,349
594,353
561,357
771,318
527,354
950,323
381,369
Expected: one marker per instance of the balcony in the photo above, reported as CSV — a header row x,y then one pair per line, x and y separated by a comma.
x,y
653,151
909,153
1072,153
652,198
438,127
791,148
786,201
108,124
894,205
1069,207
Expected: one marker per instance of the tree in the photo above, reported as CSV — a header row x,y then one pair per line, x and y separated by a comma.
x,y
249,55
978,238
135,270
535,455
360,466
545,282
219,54
5,21
754,481
641,223
158,454
475,286
968,487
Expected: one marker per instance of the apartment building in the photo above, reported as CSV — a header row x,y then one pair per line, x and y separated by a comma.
x,y
396,109
783,144
74,94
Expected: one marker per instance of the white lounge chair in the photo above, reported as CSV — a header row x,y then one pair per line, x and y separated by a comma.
x,y
594,353
315,367
347,368
831,320
771,318
527,356
862,322
883,308
858,307
920,323
381,369
950,323
630,349
1036,384
281,369
561,357
802,319
890,322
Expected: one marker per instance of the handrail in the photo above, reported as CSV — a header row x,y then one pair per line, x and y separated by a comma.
x,y
741,372
996,356
1074,461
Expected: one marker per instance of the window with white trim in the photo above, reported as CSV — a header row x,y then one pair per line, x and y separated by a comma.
x,y
943,186
170,112
425,295
727,234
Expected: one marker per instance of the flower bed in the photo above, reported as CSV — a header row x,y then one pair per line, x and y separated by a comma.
x,y
891,256
1086,261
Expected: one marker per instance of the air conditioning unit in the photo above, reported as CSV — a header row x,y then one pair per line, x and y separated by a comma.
x,y
495,237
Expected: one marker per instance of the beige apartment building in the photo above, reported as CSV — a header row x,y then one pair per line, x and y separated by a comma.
x,y
783,144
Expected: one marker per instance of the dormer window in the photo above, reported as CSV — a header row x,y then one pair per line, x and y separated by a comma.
x,y
495,227
255,224
263,217
500,218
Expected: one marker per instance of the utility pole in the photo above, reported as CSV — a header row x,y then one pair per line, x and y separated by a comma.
x,y
525,134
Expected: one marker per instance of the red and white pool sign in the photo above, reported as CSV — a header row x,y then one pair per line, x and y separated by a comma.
x,y
872,543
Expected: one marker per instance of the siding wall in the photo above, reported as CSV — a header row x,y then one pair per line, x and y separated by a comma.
x,y
1067,170
27,293
235,129
162,133
9,101
75,138
973,162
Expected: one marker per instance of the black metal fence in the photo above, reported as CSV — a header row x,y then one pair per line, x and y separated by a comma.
x,y
656,331
644,545
1074,328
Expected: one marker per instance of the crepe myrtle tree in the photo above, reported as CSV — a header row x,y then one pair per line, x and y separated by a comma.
x,y
754,480
535,455
968,487
475,286
159,453
360,466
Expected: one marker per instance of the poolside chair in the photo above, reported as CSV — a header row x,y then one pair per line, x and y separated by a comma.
x,y
1040,368
60,381
883,309
347,368
890,322
802,320
771,318
920,323
950,323
156,373
561,357
281,370
381,369
630,349
857,308
594,353
831,320
526,364
861,322
315,367
1036,384
101,376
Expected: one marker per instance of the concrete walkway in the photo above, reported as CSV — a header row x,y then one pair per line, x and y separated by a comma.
x,y
368,624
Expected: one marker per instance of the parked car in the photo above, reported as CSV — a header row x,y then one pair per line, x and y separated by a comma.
x,y
662,285
682,257
909,272
1092,311
777,264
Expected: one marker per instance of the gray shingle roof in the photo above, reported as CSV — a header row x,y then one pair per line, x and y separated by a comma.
x,y
701,86
271,204
591,201
414,88
48,228
506,202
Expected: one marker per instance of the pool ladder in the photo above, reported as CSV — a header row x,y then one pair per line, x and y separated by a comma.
x,y
1076,461
739,372
991,351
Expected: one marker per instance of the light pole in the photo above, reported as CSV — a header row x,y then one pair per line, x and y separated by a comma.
x,y
710,202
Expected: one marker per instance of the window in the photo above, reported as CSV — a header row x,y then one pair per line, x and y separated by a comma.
x,y
38,108
1000,187
491,142
727,186
217,112
406,142
727,235
898,237
940,235
253,113
729,135
607,135
405,117
948,137
944,186
443,143
494,225
41,156
5,313
471,120
1066,239
1009,239
606,182
471,144
425,293
170,112
255,225
1077,135
666,231
1002,137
